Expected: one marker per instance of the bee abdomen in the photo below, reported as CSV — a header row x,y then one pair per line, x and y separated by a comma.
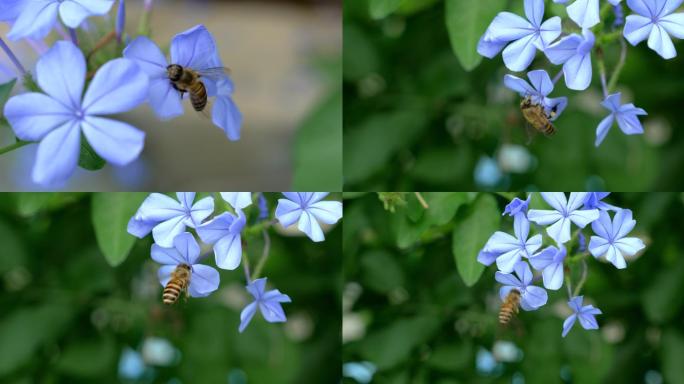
x,y
172,291
549,129
198,96
509,308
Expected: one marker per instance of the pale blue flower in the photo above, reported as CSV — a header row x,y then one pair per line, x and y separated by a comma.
x,y
531,297
185,251
539,87
63,115
268,302
307,209
626,116
574,52
610,241
654,20
521,37
35,18
517,206
550,262
586,315
508,250
238,200
166,217
585,13
564,212
195,49
224,232
593,201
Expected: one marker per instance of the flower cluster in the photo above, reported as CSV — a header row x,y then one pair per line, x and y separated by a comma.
x,y
514,254
171,221
519,38
67,123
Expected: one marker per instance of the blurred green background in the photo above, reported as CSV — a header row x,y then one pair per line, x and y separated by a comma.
x,y
69,317
409,317
416,119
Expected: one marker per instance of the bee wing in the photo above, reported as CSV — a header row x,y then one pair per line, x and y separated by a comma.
x,y
215,74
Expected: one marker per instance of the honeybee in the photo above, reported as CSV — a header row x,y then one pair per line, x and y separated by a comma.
x,y
510,307
537,117
180,279
188,80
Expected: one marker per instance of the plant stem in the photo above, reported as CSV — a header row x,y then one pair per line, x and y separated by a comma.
x,y
258,227
582,280
106,39
73,36
618,67
245,263
602,70
264,255
421,200
14,146
12,57
558,76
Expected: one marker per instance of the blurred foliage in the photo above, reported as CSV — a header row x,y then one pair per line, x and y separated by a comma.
x,y
422,109
69,317
409,312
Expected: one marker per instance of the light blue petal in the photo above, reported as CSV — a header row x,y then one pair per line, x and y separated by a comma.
x,y
562,50
164,274
201,210
568,323
629,124
490,48
629,245
541,81
328,212
544,258
73,12
193,48
518,55
256,288
587,321
165,232
506,262
272,312
578,72
506,290
603,226
228,252
524,272
560,230
669,7
583,217
584,13
674,24
61,72
33,115
215,229
117,142
518,85
622,223
276,296
603,128
557,200
534,243
35,21
57,155
614,256
660,42
159,207
165,101
501,242
287,212
543,216
576,200
598,246
118,86
521,227
246,315
238,200
642,7
486,257
167,256
533,298
534,10
148,56
309,225
187,246
226,115
140,228
203,281
637,29
548,32
10,9
553,276
508,26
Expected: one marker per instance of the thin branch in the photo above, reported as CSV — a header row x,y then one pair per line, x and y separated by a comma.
x,y
583,279
14,146
618,67
421,200
264,255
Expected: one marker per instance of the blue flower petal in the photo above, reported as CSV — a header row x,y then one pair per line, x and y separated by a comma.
x,y
568,324
187,246
519,54
228,252
508,26
61,72
11,9
238,200
309,225
73,12
328,212
246,315
166,256
637,29
226,115
584,13
115,141
57,155
287,212
35,21
33,115
193,48
148,56
118,86
534,10
661,42
203,281
674,24
561,51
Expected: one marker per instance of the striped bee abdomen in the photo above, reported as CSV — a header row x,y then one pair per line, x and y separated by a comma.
x,y
509,308
198,96
180,278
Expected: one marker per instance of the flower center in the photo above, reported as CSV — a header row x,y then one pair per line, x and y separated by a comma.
x,y
80,114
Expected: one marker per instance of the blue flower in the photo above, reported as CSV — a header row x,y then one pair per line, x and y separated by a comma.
x,y
508,250
167,218
268,302
195,49
516,206
308,209
585,13
224,232
586,315
238,200
531,297
35,18
524,36
593,201
564,212
185,251
574,52
59,118
550,262
626,116
654,20
611,242
541,86
263,207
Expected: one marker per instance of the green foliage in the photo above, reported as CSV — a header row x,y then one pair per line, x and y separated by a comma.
x,y
110,215
88,158
421,323
422,108
5,90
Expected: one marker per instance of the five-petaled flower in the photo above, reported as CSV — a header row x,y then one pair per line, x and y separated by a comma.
x,y
185,251
574,52
61,116
524,36
539,87
586,315
564,212
656,22
35,18
268,302
307,209
550,262
167,218
224,232
531,296
237,200
594,201
610,241
626,116
194,49
508,250
517,206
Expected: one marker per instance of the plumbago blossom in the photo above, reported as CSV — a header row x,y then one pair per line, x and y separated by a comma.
x,y
556,256
68,95
520,39
225,228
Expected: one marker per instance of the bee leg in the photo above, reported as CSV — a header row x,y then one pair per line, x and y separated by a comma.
x,y
531,132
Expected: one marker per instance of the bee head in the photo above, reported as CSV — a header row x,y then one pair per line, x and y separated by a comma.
x,y
174,71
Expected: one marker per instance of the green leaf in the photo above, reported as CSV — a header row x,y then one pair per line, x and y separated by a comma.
x,y
100,355
382,8
31,203
471,233
5,90
671,354
318,148
110,215
663,298
408,7
88,159
466,21
381,271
